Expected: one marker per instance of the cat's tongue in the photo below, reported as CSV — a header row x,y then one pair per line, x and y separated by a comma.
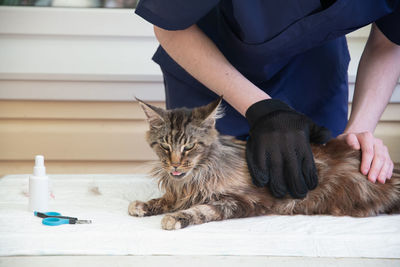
x,y
176,173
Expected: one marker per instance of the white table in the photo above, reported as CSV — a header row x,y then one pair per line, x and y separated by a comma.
x,y
114,236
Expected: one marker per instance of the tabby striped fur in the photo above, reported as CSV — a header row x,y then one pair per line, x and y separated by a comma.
x,y
210,181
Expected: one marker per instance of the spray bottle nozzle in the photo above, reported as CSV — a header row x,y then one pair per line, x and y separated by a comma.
x,y
39,169
39,160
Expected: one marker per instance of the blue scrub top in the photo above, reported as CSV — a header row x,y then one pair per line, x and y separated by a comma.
x,y
294,50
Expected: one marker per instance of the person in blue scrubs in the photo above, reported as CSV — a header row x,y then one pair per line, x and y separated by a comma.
x,y
281,67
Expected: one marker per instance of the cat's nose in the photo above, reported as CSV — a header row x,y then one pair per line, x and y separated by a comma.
x,y
175,164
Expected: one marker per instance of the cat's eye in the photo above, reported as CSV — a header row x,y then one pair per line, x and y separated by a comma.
x,y
188,147
164,146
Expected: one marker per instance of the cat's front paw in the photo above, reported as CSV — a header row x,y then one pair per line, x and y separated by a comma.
x,y
175,221
137,208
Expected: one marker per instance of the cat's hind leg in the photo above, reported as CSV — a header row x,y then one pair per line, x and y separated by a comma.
x,y
152,207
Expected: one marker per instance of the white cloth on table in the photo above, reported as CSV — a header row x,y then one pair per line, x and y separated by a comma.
x,y
104,199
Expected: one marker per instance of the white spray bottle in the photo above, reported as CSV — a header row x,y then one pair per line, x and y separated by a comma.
x,y
39,187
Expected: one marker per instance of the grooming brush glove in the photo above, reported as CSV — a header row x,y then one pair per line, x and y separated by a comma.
x,y
278,150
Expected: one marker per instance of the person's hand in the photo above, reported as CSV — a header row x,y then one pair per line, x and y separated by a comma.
x,y
278,150
375,158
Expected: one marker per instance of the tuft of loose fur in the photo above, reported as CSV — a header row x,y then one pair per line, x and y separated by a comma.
x,y
205,178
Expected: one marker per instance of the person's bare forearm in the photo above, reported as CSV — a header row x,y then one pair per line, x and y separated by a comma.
x,y
377,76
199,56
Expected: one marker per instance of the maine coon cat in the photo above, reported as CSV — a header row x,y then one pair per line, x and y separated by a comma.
x,y
205,178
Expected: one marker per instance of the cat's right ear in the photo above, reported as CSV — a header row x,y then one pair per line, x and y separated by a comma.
x,y
155,115
208,114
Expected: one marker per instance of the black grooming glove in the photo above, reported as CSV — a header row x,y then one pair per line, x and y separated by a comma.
x,y
278,150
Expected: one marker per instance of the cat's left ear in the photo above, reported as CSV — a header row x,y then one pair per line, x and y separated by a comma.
x,y
208,114
155,115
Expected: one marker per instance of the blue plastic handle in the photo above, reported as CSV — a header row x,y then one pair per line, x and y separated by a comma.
x,y
52,213
51,221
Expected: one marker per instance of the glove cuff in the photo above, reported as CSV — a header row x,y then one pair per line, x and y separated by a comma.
x,y
263,108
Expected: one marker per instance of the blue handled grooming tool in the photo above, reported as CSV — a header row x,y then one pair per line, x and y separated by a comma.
x,y
52,218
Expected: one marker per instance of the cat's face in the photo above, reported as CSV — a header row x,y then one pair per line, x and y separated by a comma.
x,y
181,137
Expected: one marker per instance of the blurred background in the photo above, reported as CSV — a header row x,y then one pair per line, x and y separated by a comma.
x,y
69,72
72,3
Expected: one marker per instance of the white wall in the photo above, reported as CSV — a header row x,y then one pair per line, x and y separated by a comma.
x,y
91,54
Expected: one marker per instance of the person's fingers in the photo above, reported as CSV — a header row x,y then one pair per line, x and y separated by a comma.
x,y
387,170
350,139
366,140
390,163
378,161
309,171
391,170
277,185
254,158
294,178
375,158
383,174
